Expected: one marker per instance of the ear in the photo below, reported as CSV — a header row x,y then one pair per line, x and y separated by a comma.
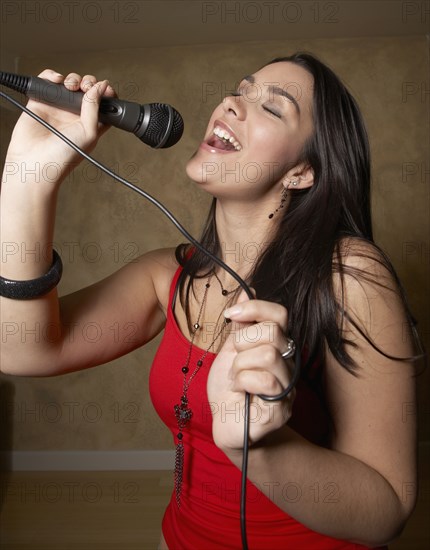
x,y
299,177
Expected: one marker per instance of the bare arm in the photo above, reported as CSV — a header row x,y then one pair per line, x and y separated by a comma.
x,y
363,488
94,325
47,336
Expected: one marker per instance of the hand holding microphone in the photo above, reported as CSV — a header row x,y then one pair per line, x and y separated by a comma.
x,y
156,124
35,145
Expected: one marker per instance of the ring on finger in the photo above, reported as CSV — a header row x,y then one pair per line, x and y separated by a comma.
x,y
291,349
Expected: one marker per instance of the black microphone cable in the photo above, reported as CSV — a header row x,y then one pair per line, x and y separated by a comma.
x,y
192,240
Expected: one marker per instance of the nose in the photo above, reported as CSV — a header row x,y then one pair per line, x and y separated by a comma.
x,y
235,106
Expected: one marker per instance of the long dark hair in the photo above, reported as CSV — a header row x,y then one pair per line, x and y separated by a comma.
x,y
307,247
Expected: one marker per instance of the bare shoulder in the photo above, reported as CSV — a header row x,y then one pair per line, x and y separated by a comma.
x,y
364,256
368,288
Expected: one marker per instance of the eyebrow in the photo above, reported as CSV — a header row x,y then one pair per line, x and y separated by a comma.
x,y
278,91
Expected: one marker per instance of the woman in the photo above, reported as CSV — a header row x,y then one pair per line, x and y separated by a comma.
x,y
328,466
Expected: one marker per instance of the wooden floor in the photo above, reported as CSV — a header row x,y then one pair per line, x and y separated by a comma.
x,y
84,510
115,511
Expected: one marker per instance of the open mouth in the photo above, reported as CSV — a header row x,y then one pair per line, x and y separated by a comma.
x,y
221,139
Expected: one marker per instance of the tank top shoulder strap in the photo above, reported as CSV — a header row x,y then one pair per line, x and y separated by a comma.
x,y
176,281
174,288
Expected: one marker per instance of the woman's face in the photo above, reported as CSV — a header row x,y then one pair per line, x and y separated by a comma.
x,y
253,139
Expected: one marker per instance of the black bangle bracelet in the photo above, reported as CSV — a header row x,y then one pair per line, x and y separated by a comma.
x,y
34,288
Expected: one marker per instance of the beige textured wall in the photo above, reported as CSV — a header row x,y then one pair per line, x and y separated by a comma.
x,y
101,225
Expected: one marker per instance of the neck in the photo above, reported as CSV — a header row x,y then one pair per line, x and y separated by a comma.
x,y
244,232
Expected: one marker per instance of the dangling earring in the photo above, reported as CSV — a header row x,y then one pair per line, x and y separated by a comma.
x,y
283,199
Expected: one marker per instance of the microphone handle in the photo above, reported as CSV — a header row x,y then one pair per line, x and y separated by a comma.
x,y
122,114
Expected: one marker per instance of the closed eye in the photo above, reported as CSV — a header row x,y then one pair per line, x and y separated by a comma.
x,y
272,112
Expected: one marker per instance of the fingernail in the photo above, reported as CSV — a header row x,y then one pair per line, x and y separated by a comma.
x,y
58,74
232,311
104,85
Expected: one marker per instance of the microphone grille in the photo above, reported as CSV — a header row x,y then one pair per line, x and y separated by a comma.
x,y
14,81
162,116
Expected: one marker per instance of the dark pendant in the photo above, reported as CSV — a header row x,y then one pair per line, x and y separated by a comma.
x,y
183,413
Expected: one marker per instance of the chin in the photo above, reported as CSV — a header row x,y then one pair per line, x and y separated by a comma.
x,y
195,169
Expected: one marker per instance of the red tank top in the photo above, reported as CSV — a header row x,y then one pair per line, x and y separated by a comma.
x,y
209,516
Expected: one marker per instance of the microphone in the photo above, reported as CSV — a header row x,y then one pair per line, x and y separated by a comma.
x,y
156,124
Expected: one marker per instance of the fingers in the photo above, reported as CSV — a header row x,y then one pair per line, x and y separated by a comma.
x,y
258,383
258,332
74,81
260,371
252,311
93,90
50,74
257,322
90,105
87,82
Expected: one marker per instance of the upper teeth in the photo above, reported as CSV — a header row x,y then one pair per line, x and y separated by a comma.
x,y
223,134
